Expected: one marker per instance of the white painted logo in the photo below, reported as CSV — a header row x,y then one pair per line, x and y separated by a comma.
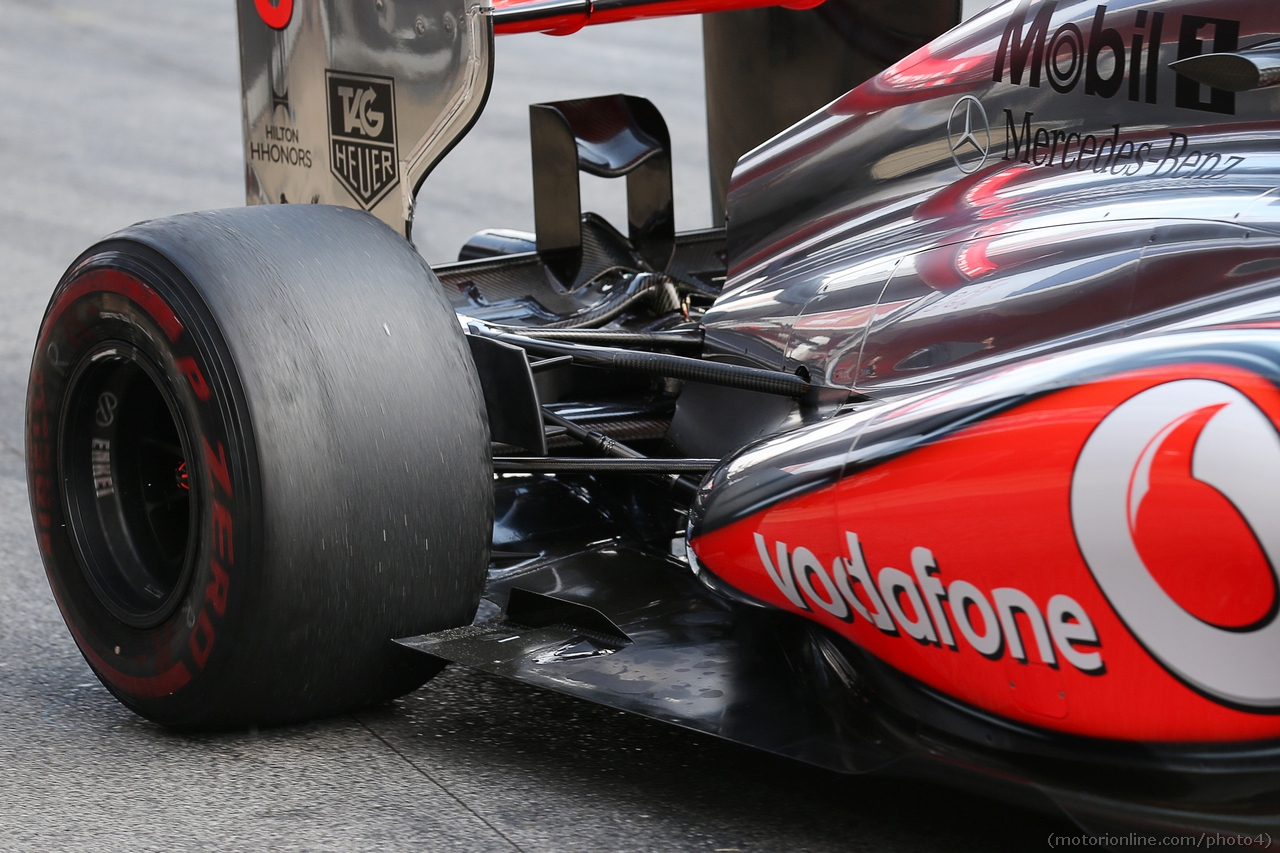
x,y
1237,453
898,602
105,414
356,114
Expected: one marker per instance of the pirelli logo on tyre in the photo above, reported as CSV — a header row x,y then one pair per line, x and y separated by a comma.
x,y
362,135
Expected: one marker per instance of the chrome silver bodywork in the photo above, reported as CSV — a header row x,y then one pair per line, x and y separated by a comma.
x,y
1039,181
881,247
427,65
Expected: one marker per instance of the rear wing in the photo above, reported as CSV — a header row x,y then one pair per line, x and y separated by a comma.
x,y
352,102
562,17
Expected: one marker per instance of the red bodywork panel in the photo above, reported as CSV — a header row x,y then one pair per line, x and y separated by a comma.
x,y
557,17
1048,564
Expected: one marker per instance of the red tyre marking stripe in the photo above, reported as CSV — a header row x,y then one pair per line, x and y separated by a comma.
x,y
148,687
114,281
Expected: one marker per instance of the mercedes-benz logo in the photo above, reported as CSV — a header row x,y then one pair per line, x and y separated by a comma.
x,y
968,132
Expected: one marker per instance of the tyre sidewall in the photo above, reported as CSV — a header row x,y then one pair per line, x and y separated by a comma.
x,y
138,300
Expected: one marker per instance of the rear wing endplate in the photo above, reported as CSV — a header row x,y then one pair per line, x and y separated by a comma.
x,y
352,102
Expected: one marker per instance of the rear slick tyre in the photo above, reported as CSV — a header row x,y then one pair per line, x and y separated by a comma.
x,y
257,452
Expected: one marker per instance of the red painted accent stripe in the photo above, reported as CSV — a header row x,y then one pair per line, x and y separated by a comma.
x,y
976,533
557,22
276,16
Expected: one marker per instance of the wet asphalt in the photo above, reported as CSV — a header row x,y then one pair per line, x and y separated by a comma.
x,y
113,112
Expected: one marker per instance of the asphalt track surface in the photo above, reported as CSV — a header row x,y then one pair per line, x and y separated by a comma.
x,y
115,111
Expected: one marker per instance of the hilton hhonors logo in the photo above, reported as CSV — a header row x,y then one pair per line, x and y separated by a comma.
x,y
362,135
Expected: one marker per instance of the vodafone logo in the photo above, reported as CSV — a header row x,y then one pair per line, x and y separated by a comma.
x,y
1175,501
911,604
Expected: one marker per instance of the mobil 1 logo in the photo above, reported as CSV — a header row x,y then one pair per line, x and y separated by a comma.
x,y
362,134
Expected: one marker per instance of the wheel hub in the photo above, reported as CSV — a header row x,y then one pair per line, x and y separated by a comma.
x,y
124,460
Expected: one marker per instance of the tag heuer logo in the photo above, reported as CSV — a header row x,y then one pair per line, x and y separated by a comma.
x,y
362,135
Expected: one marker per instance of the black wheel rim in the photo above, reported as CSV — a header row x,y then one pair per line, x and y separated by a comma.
x,y
131,494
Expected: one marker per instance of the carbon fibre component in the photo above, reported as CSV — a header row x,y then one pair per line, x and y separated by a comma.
x,y
519,289
643,419
661,364
690,339
728,668
1233,72
535,610
610,137
627,430
594,440
496,243
615,465
654,291
693,660
510,395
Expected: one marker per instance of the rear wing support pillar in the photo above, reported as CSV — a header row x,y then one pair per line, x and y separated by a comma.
x,y
610,137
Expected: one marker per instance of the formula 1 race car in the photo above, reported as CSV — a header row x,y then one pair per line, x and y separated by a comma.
x,y
955,453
